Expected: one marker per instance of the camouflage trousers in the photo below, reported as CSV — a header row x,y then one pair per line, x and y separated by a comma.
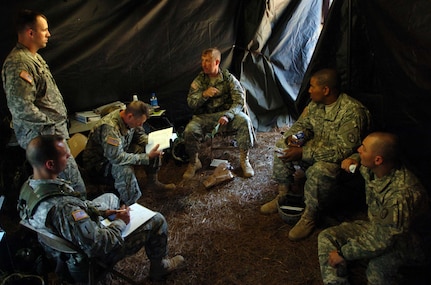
x,y
201,125
72,174
125,183
153,234
320,185
381,269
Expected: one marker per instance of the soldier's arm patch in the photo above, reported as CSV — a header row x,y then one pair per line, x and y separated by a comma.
x,y
79,215
113,141
26,76
194,86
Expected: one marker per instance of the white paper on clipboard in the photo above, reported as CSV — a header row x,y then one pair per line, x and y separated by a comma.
x,y
162,137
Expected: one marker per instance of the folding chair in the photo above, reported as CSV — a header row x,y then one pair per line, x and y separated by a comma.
x,y
77,144
64,246
224,139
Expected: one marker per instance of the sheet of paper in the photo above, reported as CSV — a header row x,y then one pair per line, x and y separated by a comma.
x,y
216,162
138,216
162,137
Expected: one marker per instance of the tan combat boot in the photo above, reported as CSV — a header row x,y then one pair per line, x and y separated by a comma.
x,y
159,270
245,164
194,164
304,227
271,206
154,180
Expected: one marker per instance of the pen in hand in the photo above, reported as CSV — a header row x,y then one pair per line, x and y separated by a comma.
x,y
123,214
122,210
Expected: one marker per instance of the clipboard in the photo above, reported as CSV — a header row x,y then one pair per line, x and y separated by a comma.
x,y
138,216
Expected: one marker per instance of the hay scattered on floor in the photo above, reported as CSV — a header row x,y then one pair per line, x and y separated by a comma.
x,y
220,232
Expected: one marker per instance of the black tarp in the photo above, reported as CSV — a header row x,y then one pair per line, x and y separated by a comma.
x,y
106,50
383,51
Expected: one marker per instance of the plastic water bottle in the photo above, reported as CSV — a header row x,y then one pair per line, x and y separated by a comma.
x,y
299,137
153,100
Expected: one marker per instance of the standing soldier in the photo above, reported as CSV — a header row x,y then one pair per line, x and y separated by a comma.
x,y
33,97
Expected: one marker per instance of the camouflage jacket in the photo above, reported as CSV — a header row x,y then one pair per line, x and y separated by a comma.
x,y
332,136
396,202
110,140
33,97
230,100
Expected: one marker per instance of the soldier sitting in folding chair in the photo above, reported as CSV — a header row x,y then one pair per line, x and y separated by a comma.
x,y
216,97
49,203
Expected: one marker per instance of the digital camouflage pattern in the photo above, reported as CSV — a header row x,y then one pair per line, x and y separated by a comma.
x,y
207,111
79,221
113,148
330,137
36,104
396,203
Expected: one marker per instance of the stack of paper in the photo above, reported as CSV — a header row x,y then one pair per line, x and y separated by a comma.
x,y
87,116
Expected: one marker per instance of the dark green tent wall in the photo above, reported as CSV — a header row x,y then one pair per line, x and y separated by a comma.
x,y
382,50
106,50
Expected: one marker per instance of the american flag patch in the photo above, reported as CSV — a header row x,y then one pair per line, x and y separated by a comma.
x,y
113,141
26,76
79,215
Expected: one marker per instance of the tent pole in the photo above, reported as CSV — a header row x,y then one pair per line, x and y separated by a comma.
x,y
349,37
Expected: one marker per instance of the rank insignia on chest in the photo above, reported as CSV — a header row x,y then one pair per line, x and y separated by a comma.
x,y
113,141
384,213
79,215
26,76
352,137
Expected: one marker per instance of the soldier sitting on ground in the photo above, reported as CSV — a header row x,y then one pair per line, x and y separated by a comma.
x,y
398,210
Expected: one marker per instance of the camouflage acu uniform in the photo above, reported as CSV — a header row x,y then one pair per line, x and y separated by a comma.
x,y
207,111
330,136
113,148
79,221
36,104
396,203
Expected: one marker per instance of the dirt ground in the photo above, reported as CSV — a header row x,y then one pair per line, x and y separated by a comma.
x,y
222,235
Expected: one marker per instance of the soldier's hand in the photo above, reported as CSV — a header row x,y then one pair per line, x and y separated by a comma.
x,y
289,140
334,258
154,152
223,120
123,214
292,153
211,92
109,213
345,164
